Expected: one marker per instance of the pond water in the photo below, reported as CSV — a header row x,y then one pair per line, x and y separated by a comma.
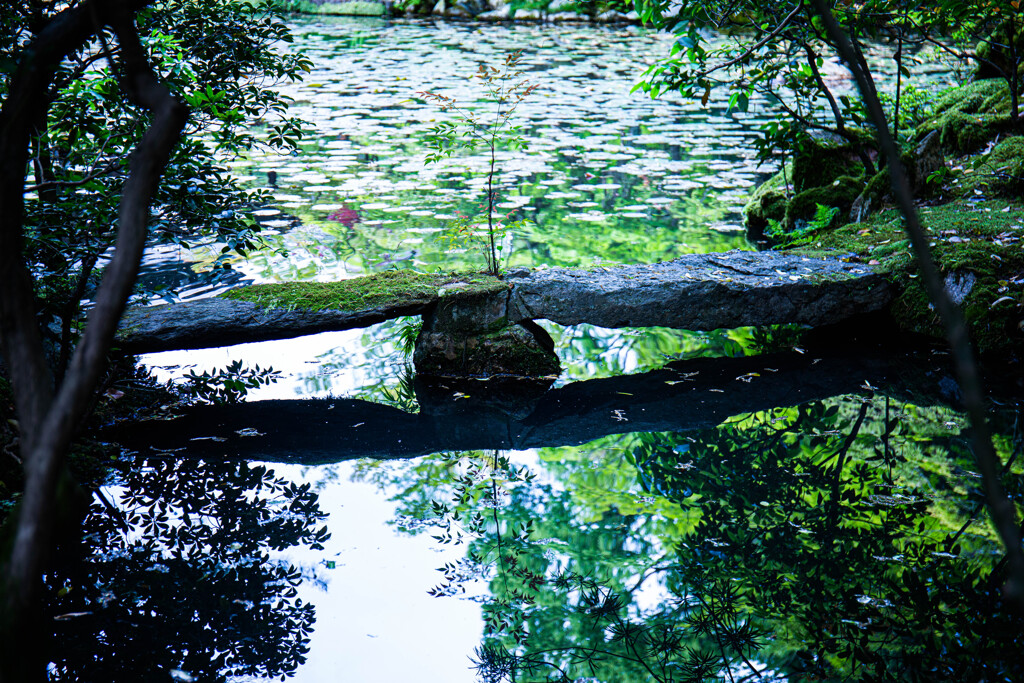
x,y
677,506
608,176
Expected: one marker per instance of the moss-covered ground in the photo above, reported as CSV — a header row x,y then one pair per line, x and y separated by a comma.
x,y
972,207
388,289
351,8
981,237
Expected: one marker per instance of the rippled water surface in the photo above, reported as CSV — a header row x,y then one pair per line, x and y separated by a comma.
x,y
608,176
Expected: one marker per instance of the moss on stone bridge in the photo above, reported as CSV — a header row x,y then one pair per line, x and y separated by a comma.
x,y
393,288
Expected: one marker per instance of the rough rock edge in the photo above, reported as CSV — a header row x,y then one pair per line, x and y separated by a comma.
x,y
696,292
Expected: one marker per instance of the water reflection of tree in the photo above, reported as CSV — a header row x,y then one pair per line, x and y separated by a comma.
x,y
179,576
811,522
806,542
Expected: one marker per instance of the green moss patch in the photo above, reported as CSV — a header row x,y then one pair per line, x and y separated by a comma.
x,y
970,116
768,202
999,172
982,238
839,194
392,288
821,158
826,171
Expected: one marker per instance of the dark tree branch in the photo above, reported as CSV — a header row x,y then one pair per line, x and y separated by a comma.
x,y
1001,508
48,421
759,44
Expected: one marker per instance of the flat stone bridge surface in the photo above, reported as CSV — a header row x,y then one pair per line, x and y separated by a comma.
x,y
695,292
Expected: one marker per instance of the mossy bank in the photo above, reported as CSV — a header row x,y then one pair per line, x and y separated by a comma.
x,y
978,249
965,160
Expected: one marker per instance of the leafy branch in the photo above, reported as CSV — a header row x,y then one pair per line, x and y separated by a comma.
x,y
506,88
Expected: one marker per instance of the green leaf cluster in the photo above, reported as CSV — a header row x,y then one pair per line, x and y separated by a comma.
x,y
219,57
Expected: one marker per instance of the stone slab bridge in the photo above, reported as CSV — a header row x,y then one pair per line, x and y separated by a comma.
x,y
469,332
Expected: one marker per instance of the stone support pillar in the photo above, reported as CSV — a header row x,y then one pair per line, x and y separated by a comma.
x,y
469,335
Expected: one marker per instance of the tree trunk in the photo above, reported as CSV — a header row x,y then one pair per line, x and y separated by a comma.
x,y
48,420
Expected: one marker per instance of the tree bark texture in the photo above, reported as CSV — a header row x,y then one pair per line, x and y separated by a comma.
x,y
48,415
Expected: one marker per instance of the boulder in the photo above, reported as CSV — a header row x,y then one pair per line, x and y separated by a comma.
x,y
472,336
968,117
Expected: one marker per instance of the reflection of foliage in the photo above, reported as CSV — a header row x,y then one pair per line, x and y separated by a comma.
x,y
588,351
483,481
801,511
825,541
179,577
226,385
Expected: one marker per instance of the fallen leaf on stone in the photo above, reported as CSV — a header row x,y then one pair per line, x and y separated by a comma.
x,y
249,431
218,439
717,391
70,615
358,424
1001,300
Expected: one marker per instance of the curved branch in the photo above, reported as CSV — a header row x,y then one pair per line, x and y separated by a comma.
x,y
759,44
48,422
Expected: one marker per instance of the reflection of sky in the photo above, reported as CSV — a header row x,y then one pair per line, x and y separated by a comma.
x,y
375,621
300,361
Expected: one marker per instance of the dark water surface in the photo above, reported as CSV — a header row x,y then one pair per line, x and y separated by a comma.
x,y
679,506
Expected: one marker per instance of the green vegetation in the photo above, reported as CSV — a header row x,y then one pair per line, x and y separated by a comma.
x,y
355,8
982,238
972,179
504,89
391,288
969,116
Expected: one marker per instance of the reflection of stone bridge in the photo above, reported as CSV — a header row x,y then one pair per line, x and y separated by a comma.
x,y
493,333
509,414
